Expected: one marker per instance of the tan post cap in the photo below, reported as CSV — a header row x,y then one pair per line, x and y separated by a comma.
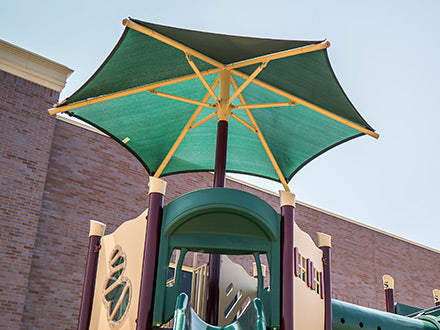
x,y
287,198
96,228
436,294
388,282
157,185
324,240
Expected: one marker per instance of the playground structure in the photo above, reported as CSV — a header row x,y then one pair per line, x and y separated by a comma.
x,y
127,285
191,224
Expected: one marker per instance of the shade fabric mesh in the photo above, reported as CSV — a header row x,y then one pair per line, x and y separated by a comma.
x,y
294,134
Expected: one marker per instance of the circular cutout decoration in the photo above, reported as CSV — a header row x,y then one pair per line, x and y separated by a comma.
x,y
117,289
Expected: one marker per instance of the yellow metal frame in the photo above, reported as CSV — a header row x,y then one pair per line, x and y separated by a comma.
x,y
243,122
263,105
183,99
248,81
182,134
262,139
276,56
202,79
171,42
63,108
312,106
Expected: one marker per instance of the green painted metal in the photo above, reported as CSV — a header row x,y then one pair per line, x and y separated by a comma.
x,y
296,135
222,221
406,310
186,319
349,317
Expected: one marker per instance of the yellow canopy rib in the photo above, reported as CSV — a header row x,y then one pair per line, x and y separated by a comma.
x,y
202,79
244,123
261,137
146,88
248,80
182,99
263,105
309,105
172,43
204,120
184,131
276,56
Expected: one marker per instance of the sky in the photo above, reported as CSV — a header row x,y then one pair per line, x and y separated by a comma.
x,y
384,54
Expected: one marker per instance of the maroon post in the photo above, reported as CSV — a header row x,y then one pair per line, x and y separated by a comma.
x,y
214,259
220,153
151,247
287,204
388,286
97,229
324,243
436,294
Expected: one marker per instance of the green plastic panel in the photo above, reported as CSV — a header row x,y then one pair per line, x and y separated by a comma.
x,y
406,310
350,317
220,221
186,319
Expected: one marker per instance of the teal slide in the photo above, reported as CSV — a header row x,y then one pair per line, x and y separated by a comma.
x,y
186,319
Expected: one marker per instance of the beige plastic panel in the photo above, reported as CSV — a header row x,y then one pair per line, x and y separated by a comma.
x,y
308,305
234,280
129,237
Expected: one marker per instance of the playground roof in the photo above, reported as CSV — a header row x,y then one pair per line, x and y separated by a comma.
x,y
157,94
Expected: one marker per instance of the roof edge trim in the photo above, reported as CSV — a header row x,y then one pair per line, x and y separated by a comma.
x,y
33,67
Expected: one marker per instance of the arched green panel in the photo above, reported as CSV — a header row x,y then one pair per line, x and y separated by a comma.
x,y
219,221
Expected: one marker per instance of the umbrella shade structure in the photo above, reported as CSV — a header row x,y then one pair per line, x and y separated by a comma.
x,y
161,90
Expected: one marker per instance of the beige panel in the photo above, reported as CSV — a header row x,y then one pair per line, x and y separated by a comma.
x,y
234,280
129,237
308,305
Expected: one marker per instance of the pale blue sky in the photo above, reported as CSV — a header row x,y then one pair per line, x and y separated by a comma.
x,y
384,54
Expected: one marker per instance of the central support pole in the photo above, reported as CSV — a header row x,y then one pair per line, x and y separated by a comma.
x,y
219,181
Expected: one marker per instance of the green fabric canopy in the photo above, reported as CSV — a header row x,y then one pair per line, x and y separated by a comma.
x,y
148,125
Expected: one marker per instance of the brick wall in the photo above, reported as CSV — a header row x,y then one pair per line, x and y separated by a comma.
x,y
25,140
56,176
